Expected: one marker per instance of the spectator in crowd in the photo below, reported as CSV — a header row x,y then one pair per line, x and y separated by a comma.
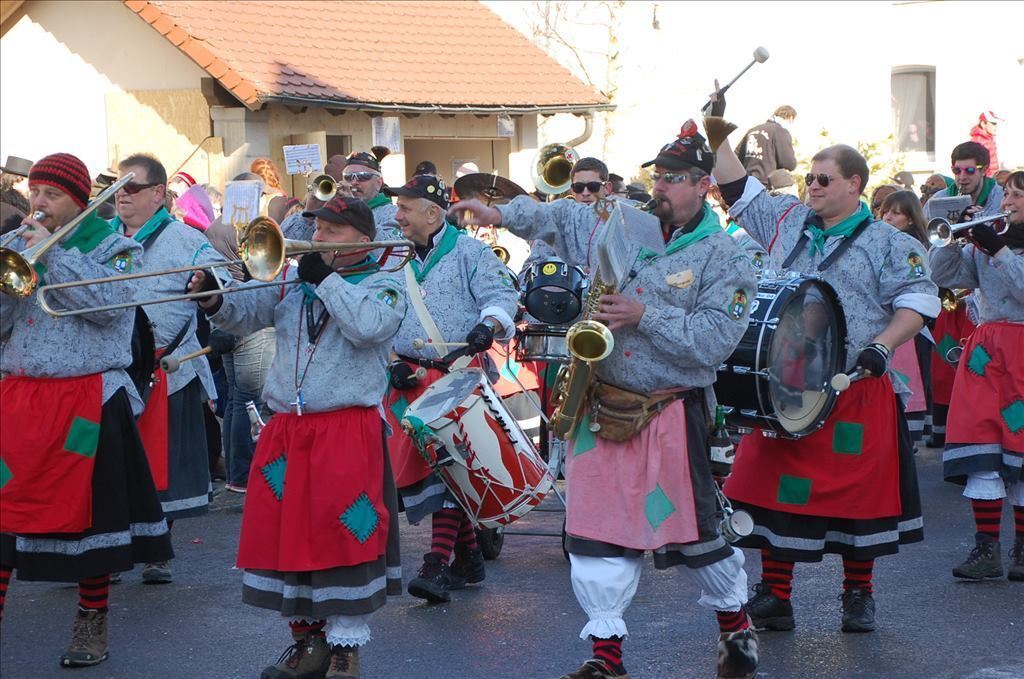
x,y
878,196
769,146
984,133
904,180
426,168
617,186
13,201
781,182
934,184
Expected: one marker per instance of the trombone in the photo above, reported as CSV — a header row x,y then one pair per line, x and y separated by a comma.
x,y
941,232
263,250
18,275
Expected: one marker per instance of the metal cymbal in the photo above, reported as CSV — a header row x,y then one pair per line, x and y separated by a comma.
x,y
492,189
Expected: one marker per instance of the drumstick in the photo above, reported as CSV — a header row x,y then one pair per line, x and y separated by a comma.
x,y
170,364
420,344
842,381
420,373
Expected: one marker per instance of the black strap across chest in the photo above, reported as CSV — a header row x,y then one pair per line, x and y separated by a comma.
x,y
830,260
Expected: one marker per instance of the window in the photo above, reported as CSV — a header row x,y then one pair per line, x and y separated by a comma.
x,y
913,108
338,145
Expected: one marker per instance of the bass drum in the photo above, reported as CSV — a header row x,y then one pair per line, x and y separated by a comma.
x,y
778,378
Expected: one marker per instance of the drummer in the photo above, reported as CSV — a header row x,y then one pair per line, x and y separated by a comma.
x,y
675,319
459,291
851,487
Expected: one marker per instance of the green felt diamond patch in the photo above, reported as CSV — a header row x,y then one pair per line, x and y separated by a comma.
x,y
83,437
657,507
273,474
5,473
399,407
1013,416
361,518
794,490
979,360
944,346
583,439
848,438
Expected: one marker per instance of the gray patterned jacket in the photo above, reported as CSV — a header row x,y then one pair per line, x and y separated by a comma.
x,y
991,206
1000,280
36,344
348,365
883,269
465,286
688,328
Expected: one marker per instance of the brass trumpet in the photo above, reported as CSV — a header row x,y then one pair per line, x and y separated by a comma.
x,y
951,299
941,232
502,253
323,187
263,250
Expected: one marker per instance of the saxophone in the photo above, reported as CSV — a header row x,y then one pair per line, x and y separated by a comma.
x,y
589,342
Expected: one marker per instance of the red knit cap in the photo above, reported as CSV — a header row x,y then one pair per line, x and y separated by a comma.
x,y
65,172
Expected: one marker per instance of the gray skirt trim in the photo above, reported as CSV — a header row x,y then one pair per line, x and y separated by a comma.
x,y
961,459
346,590
188,465
422,499
691,555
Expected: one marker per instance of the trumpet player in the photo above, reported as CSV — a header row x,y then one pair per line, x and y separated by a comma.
x,y
985,430
321,510
172,425
77,500
675,318
969,163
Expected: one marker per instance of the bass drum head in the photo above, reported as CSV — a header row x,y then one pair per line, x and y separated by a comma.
x,y
806,350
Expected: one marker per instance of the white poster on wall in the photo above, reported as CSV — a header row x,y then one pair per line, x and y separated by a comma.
x,y
387,132
506,126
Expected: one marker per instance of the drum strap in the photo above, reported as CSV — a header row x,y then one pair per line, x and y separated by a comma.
x,y
830,260
426,320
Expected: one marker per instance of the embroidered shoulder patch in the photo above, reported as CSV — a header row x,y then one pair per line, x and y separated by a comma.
x,y
738,306
389,297
916,265
122,262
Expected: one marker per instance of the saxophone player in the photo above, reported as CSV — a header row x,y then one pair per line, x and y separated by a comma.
x,y
675,318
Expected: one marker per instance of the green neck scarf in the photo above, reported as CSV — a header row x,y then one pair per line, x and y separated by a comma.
x,y
147,229
447,244
841,230
986,188
378,200
708,225
84,238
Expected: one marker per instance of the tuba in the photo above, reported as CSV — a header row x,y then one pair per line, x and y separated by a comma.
x,y
552,168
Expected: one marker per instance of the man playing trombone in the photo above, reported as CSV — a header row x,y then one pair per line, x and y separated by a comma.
x,y
321,508
172,426
77,500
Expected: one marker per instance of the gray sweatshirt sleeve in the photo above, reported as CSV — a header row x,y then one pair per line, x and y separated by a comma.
x,y
759,213
1010,266
903,281
566,225
114,255
243,313
953,267
367,314
491,286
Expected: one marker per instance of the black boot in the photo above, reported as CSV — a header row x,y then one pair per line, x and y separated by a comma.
x,y
433,581
769,612
858,610
1016,569
468,567
984,561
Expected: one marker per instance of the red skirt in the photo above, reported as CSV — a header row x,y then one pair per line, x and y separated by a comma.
x,y
407,462
847,469
510,370
988,399
316,496
49,433
153,427
952,328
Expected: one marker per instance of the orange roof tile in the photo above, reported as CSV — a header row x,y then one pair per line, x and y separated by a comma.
x,y
409,54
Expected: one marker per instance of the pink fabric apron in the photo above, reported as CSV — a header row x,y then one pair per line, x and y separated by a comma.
x,y
904,362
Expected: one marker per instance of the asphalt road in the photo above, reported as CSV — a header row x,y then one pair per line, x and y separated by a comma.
x,y
523,622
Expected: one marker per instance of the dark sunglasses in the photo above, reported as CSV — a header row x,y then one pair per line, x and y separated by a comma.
x,y
359,176
593,187
670,177
822,178
131,188
969,170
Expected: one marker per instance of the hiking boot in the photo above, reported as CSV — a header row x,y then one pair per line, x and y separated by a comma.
x,y
158,573
468,567
858,610
769,612
344,663
88,640
984,561
1016,570
307,658
594,669
433,581
737,654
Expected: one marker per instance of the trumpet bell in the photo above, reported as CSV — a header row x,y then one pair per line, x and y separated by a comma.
x,y
502,253
323,187
17,276
590,341
552,169
262,248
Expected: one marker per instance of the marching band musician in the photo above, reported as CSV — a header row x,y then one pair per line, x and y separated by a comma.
x,y
317,525
985,432
850,488
460,284
172,425
675,319
77,500
363,175
969,163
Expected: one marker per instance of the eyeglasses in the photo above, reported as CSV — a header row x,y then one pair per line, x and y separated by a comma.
x,y
670,177
822,179
969,170
359,176
593,187
131,188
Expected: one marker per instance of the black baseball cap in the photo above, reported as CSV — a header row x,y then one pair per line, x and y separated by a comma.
x,y
424,186
346,210
688,150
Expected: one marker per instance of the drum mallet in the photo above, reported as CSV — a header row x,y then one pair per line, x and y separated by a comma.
x,y
760,56
170,364
419,344
842,381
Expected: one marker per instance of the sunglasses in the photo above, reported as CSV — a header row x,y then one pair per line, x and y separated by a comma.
x,y
969,170
359,176
822,179
131,188
593,187
670,177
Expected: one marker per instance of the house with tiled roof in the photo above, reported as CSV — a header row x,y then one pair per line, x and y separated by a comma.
x,y
210,86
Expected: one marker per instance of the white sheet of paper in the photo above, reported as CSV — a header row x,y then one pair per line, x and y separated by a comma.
x,y
387,132
241,202
302,158
947,207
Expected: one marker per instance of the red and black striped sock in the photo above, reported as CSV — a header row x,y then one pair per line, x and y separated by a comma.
x,y
301,628
94,593
1018,521
732,621
610,651
857,574
986,516
5,579
444,531
778,575
467,534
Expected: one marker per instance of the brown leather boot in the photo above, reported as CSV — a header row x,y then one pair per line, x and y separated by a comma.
x,y
307,658
344,663
594,669
88,640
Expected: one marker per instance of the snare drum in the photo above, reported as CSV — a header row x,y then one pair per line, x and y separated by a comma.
x,y
778,378
542,342
477,448
553,291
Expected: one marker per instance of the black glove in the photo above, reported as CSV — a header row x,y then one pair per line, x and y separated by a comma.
x,y
874,358
313,269
718,107
479,339
220,343
987,239
402,376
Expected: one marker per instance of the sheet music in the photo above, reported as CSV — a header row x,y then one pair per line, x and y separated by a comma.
x,y
302,158
949,208
626,228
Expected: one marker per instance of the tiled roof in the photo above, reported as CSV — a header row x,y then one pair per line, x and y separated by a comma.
x,y
429,55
